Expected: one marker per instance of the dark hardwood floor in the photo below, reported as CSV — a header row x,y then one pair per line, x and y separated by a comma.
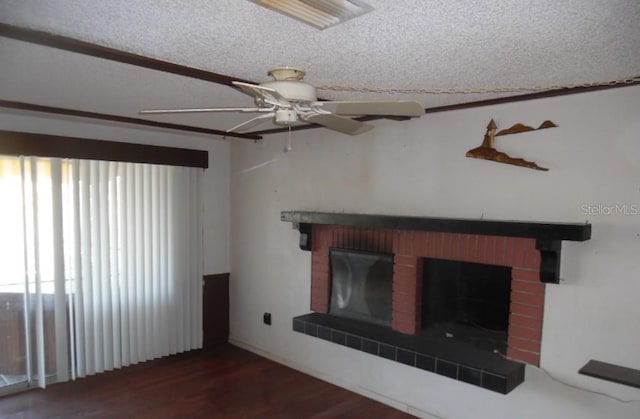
x,y
225,382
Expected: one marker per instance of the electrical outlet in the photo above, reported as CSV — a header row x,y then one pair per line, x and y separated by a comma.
x,y
266,318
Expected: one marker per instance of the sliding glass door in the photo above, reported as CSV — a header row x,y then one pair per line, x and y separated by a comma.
x,y
27,304
101,266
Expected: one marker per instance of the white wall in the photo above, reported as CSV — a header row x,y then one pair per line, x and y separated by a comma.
x,y
215,179
419,168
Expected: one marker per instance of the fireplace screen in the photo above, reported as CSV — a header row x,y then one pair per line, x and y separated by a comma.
x,y
361,285
467,301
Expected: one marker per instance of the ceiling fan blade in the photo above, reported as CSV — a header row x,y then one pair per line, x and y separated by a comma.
x,y
373,107
200,110
339,123
252,122
267,94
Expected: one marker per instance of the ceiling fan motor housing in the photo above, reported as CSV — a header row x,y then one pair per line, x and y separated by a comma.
x,y
293,91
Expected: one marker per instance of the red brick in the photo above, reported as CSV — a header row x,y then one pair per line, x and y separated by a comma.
x,y
320,275
388,241
473,248
501,245
325,236
321,252
356,237
405,260
403,317
320,257
320,305
447,241
481,248
490,253
509,250
409,308
523,321
372,245
525,275
536,287
438,239
362,239
405,298
526,310
405,269
375,240
532,259
528,357
519,246
335,230
523,344
428,244
525,333
319,290
458,248
400,246
410,281
409,243
451,245
400,286
320,283
320,266
529,254
527,298
419,242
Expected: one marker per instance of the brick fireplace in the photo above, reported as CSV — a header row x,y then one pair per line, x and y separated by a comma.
x,y
410,247
528,252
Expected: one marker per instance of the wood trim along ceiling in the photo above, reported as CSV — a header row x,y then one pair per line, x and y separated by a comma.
x,y
116,118
81,47
45,145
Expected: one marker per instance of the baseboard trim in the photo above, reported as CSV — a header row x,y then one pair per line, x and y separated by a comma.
x,y
336,381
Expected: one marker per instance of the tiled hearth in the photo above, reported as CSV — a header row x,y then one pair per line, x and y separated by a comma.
x,y
531,250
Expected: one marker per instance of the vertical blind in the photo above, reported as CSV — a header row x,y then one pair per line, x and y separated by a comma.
x,y
115,248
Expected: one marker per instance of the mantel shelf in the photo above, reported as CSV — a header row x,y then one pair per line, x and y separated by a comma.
x,y
536,230
548,236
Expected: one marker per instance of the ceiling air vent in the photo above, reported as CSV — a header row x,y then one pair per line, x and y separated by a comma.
x,y
321,14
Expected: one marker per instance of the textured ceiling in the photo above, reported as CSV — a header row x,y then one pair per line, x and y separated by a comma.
x,y
401,44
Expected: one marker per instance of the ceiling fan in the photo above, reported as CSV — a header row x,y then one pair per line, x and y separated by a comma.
x,y
288,100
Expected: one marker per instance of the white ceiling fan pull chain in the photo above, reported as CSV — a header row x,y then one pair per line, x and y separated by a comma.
x,y
289,145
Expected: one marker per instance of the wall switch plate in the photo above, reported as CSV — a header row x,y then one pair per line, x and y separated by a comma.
x,y
266,318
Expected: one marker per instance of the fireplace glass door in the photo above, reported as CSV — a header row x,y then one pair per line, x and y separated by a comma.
x,y
361,285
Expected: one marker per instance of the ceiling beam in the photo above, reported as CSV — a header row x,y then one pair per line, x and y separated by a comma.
x,y
116,118
86,48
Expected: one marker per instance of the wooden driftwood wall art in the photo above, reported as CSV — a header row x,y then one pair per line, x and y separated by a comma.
x,y
487,149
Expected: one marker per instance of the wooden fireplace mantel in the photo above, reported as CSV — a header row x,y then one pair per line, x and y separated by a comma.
x,y
548,236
